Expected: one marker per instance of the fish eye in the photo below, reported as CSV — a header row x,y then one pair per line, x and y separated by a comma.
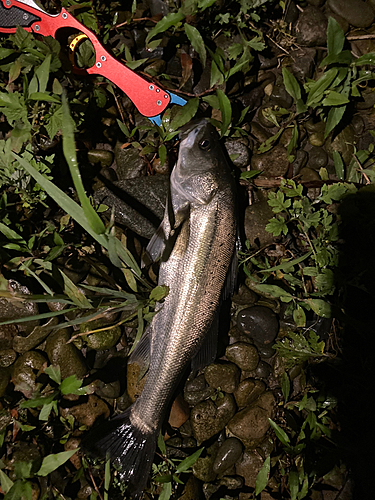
x,y
205,144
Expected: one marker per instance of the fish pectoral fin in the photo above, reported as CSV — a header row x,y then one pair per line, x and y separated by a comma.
x,y
208,350
156,245
231,278
142,353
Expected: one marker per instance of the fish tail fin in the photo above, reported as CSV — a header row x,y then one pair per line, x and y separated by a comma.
x,y
128,447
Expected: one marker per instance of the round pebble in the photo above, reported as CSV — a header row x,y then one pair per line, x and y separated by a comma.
x,y
244,355
229,452
259,322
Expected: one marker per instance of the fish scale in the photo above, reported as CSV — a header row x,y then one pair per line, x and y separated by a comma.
x,y
196,244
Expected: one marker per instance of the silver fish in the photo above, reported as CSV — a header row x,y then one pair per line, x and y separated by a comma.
x,y
196,242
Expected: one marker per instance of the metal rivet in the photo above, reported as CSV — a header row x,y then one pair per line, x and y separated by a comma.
x,y
37,27
158,102
98,64
25,16
103,58
157,90
64,15
151,87
165,96
8,2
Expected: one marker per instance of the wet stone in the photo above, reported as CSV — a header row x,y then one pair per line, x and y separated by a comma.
x,y
318,158
66,356
129,163
25,371
7,357
244,355
257,216
191,490
23,344
248,391
311,27
248,467
307,174
203,469
274,163
138,203
224,376
101,340
229,452
251,424
197,390
87,413
280,96
342,142
356,12
20,309
7,332
244,296
343,23
101,156
300,161
208,417
232,482
263,370
266,351
259,322
110,390
240,152
4,380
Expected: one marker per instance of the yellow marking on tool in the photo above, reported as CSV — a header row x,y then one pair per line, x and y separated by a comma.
x,y
76,40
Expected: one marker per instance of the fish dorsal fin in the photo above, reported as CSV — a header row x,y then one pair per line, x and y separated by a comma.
x,y
142,352
208,350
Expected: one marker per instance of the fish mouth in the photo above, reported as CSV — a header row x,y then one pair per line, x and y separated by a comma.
x,y
197,124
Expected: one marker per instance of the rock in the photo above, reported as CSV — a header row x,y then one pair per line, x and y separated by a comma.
x,y
87,413
129,163
316,3
110,390
208,418
240,150
266,350
135,381
248,391
300,161
66,356
179,413
224,376
11,309
358,125
251,424
139,203
244,355
197,390
73,443
259,322
274,163
25,372
103,339
307,174
343,23
248,467
357,13
311,27
257,216
7,357
244,296
262,116
316,139
36,337
7,332
368,100
318,158
191,490
4,380
155,67
291,13
231,482
101,156
203,469
263,370
280,96
229,452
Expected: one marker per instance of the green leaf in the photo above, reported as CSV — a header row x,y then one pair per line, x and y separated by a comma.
x,y
293,143
70,385
196,41
46,410
285,386
52,462
339,165
277,226
299,316
184,114
69,149
189,461
334,99
54,373
263,475
21,490
293,482
162,154
42,74
334,118
36,402
365,59
291,84
226,111
335,37
5,482
273,290
159,292
42,96
166,492
167,22
317,89
249,174
161,444
320,307
280,433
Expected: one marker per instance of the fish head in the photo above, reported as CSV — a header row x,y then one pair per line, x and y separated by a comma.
x,y
201,167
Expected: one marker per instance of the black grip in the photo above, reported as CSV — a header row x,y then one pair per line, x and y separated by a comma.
x,y
13,17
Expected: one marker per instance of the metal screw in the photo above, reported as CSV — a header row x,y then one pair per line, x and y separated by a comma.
x,y
64,15
151,87
37,27
8,2
165,96
25,16
103,58
158,102
98,64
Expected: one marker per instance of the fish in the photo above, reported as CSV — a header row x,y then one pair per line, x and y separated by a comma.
x,y
196,244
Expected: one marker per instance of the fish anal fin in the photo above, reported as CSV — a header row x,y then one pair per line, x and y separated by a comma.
x,y
231,279
208,350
